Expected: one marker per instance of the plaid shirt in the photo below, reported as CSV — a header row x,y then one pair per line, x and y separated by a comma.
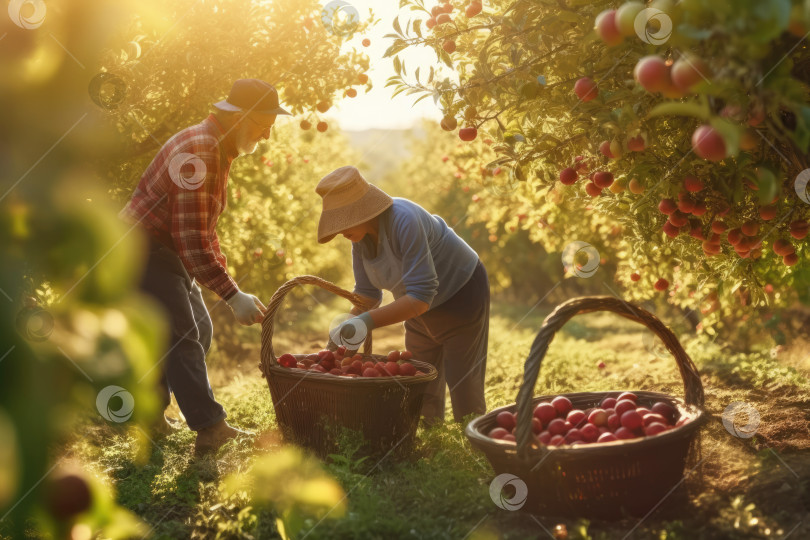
x,y
181,196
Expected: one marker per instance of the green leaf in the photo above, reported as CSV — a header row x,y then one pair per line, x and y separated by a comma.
x,y
676,108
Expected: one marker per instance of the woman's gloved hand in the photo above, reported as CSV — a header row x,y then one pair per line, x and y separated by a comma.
x,y
351,333
246,308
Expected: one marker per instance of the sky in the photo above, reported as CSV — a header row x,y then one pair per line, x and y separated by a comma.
x,y
377,109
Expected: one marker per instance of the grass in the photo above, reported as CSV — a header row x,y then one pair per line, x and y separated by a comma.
x,y
746,488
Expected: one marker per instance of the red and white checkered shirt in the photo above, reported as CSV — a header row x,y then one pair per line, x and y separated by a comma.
x,y
181,196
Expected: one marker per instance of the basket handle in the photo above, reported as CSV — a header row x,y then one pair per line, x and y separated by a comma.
x,y
692,386
268,357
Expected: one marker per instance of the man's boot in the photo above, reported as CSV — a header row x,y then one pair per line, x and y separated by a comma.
x,y
211,438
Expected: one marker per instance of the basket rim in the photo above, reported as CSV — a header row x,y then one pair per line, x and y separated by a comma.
x,y
391,380
473,432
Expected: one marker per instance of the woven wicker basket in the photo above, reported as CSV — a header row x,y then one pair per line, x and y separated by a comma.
x,y
312,407
603,480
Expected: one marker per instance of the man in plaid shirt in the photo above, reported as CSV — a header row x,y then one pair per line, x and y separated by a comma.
x,y
177,203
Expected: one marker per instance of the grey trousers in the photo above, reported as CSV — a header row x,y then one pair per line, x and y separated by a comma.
x,y
184,372
454,337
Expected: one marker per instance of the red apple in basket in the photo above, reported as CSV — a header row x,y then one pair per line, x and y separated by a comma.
x,y
348,362
407,369
287,361
623,406
405,355
498,433
506,420
664,409
556,440
545,412
598,417
650,418
380,366
393,356
562,404
509,437
544,437
371,372
613,422
624,433
317,367
576,417
336,371
607,437
608,403
573,435
589,433
356,367
537,426
368,365
556,426
627,395
631,420
642,411
392,368
654,429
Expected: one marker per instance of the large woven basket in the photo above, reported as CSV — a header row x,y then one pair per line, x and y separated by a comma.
x,y
313,408
603,480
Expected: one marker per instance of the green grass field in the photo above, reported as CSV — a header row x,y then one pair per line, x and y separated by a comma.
x,y
744,488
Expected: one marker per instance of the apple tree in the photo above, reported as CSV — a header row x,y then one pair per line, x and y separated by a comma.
x,y
678,131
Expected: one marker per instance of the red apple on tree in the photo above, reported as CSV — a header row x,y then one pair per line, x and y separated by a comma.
x,y
708,143
586,89
605,26
652,73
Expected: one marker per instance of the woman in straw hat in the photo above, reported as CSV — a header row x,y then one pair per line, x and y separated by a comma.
x,y
440,286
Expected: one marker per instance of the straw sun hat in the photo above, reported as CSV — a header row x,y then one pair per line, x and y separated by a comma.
x,y
348,201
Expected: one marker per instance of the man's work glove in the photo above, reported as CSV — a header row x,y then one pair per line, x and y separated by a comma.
x,y
351,333
246,308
